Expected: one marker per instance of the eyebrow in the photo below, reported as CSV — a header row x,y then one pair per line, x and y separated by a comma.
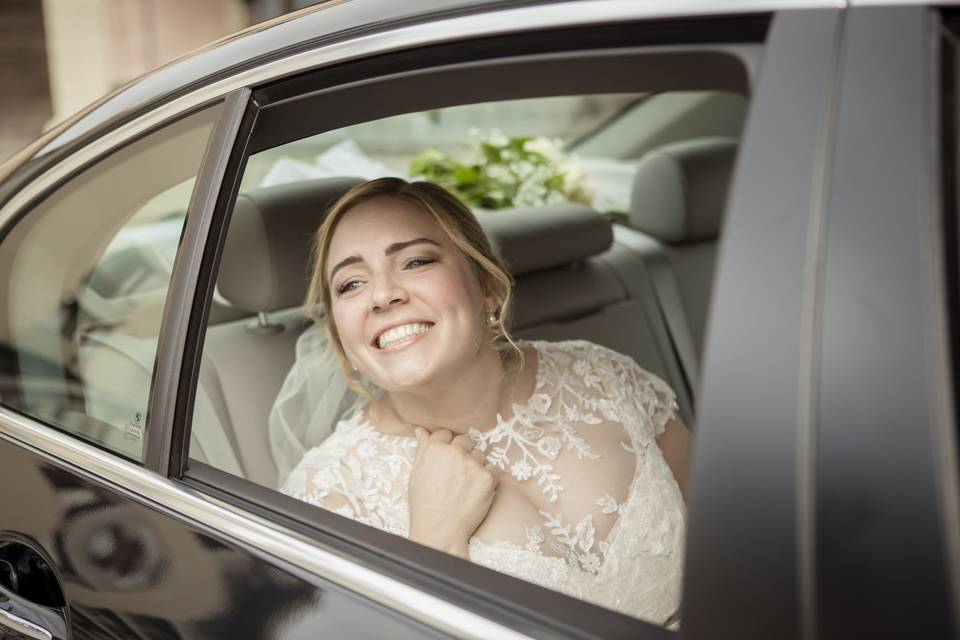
x,y
393,248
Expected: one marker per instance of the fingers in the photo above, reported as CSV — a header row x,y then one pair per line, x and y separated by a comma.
x,y
441,435
464,442
479,456
425,437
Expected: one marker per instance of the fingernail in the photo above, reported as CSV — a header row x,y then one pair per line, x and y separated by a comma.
x,y
419,433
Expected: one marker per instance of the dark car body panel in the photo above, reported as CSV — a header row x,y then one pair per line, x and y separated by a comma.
x,y
772,216
164,578
884,387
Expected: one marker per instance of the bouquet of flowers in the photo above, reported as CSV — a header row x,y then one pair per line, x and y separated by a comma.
x,y
507,172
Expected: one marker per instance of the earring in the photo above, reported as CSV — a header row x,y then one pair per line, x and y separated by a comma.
x,y
491,318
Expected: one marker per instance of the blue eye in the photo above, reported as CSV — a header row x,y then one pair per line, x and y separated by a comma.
x,y
418,262
347,286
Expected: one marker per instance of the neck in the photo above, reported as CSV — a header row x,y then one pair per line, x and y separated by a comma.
x,y
470,400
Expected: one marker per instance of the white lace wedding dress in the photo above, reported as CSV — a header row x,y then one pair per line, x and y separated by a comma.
x,y
590,506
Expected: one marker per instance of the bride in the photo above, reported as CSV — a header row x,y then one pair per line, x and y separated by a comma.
x,y
561,463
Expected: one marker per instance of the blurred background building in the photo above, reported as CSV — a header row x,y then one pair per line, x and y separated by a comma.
x,y
57,56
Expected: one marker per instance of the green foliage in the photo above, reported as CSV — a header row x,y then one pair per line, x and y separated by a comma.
x,y
507,173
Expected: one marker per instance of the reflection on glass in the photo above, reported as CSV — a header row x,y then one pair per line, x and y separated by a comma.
x,y
86,275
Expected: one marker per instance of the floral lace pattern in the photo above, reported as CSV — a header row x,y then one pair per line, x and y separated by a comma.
x,y
611,517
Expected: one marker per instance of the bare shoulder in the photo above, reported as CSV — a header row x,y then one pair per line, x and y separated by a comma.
x,y
674,442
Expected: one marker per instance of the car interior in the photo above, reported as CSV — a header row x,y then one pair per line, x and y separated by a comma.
x,y
638,282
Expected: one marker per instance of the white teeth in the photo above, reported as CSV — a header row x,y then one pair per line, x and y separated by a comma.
x,y
398,334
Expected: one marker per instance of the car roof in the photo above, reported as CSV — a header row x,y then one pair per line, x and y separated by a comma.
x,y
307,28
304,29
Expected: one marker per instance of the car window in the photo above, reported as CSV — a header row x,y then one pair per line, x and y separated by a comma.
x,y
586,198
580,138
86,273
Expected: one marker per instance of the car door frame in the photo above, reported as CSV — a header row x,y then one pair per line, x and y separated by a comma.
x,y
887,531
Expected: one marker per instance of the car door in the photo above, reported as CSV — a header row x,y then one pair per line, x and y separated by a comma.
x,y
866,428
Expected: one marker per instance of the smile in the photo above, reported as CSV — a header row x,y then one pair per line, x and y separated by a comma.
x,y
405,333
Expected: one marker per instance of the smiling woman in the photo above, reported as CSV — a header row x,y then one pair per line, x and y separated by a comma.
x,y
560,463
409,256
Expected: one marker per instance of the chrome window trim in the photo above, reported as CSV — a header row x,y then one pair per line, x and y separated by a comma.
x,y
247,529
577,13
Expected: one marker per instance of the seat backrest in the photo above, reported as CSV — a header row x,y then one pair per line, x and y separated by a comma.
x,y
264,270
676,213
574,282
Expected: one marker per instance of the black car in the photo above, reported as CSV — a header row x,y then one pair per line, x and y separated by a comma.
x,y
770,226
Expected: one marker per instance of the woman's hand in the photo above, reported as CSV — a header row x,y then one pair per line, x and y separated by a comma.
x,y
451,490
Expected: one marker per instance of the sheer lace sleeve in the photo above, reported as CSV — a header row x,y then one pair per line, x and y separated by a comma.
x,y
653,396
322,480
621,377
358,474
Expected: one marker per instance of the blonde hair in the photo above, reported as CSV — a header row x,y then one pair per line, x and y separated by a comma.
x,y
457,222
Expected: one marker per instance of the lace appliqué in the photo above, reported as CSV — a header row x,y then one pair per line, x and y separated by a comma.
x,y
532,448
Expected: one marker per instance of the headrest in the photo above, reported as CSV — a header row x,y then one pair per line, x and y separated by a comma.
x,y
680,189
266,259
537,238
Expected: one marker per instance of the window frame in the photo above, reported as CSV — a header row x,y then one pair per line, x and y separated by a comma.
x,y
493,595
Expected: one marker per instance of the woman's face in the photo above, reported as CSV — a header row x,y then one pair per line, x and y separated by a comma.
x,y
405,301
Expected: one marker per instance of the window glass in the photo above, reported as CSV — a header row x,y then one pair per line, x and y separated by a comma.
x,y
84,280
582,199
584,136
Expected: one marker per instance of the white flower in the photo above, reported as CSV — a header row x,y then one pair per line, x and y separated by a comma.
x,y
581,368
540,402
590,563
576,184
585,533
521,470
366,449
543,146
479,442
549,447
608,504
497,138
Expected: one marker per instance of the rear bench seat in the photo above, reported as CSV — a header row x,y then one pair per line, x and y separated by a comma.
x,y
572,282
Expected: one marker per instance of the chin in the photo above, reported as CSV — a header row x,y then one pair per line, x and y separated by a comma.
x,y
412,374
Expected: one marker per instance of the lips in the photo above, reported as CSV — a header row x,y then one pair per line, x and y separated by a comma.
x,y
398,334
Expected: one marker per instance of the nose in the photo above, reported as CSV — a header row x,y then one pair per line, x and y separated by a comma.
x,y
386,293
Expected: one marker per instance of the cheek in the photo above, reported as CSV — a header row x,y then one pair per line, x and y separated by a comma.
x,y
454,291
348,325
